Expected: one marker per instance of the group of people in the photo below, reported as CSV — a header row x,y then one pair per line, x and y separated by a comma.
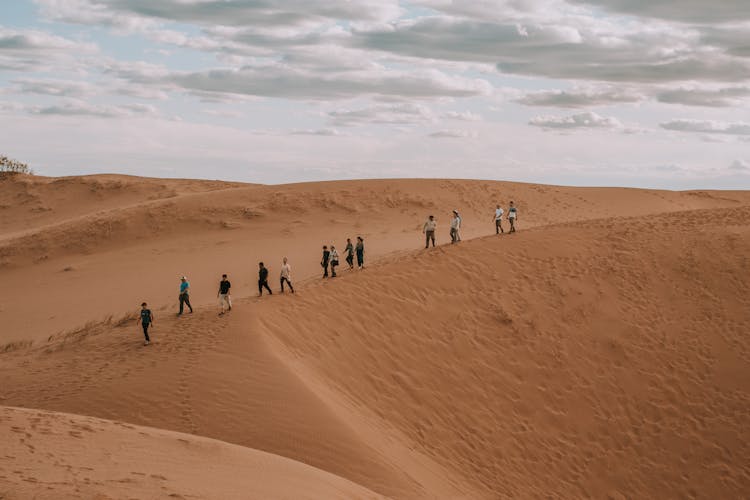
x,y
331,257
430,226
330,260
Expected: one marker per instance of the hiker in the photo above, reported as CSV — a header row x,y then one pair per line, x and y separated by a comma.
x,y
360,252
286,275
349,253
224,298
499,220
512,217
146,320
184,295
429,231
455,227
334,261
325,260
263,280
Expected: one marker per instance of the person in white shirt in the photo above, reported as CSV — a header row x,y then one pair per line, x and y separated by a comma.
x,y
499,220
429,228
455,227
286,275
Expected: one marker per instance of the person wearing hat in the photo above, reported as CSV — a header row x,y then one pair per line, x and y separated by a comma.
x,y
455,227
184,295
429,228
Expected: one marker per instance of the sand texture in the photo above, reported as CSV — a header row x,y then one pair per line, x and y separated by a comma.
x,y
602,351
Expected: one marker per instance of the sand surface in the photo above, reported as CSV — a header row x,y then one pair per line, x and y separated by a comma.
x,y
54,456
601,351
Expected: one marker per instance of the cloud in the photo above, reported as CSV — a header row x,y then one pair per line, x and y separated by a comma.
x,y
82,108
708,126
26,50
131,13
716,98
60,88
396,114
580,98
453,134
587,120
740,166
284,81
690,11
580,50
326,132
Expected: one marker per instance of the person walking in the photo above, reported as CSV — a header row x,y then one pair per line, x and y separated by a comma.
x,y
324,261
334,261
512,217
349,253
146,320
429,228
455,227
286,275
224,298
499,220
263,280
184,295
360,249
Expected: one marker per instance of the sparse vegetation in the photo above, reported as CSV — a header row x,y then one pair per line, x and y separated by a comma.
x,y
10,166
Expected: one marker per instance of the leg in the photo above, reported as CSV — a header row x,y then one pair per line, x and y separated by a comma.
x,y
282,284
229,301
325,270
260,287
265,285
290,285
187,302
145,332
182,303
432,237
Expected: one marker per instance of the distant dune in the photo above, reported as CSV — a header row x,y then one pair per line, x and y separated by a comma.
x,y
601,351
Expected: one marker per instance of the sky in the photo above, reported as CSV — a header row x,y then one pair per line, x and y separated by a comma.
x,y
641,93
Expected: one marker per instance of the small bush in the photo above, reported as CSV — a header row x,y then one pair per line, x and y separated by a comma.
x,y
9,166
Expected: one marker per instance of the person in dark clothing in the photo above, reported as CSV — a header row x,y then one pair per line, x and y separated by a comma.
x,y
325,260
360,252
184,295
334,261
263,280
146,320
224,298
349,250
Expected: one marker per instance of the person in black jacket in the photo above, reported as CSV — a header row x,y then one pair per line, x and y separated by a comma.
x,y
263,280
224,298
324,262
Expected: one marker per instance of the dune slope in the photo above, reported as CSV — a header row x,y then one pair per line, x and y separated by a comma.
x,y
58,456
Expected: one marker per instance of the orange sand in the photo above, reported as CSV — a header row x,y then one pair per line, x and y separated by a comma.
x,y
600,351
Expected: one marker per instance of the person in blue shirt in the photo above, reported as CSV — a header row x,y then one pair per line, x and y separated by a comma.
x,y
184,295
146,320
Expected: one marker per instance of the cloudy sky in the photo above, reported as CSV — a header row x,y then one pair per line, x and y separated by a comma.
x,y
646,93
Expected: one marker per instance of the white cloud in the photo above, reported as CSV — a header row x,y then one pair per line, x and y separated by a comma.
x,y
396,114
588,120
740,166
26,50
691,11
716,98
453,134
708,126
74,107
580,97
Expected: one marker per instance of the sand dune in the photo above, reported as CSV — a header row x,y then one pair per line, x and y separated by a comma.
x,y
99,244
58,456
600,351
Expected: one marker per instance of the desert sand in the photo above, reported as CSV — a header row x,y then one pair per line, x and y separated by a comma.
x,y
600,351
